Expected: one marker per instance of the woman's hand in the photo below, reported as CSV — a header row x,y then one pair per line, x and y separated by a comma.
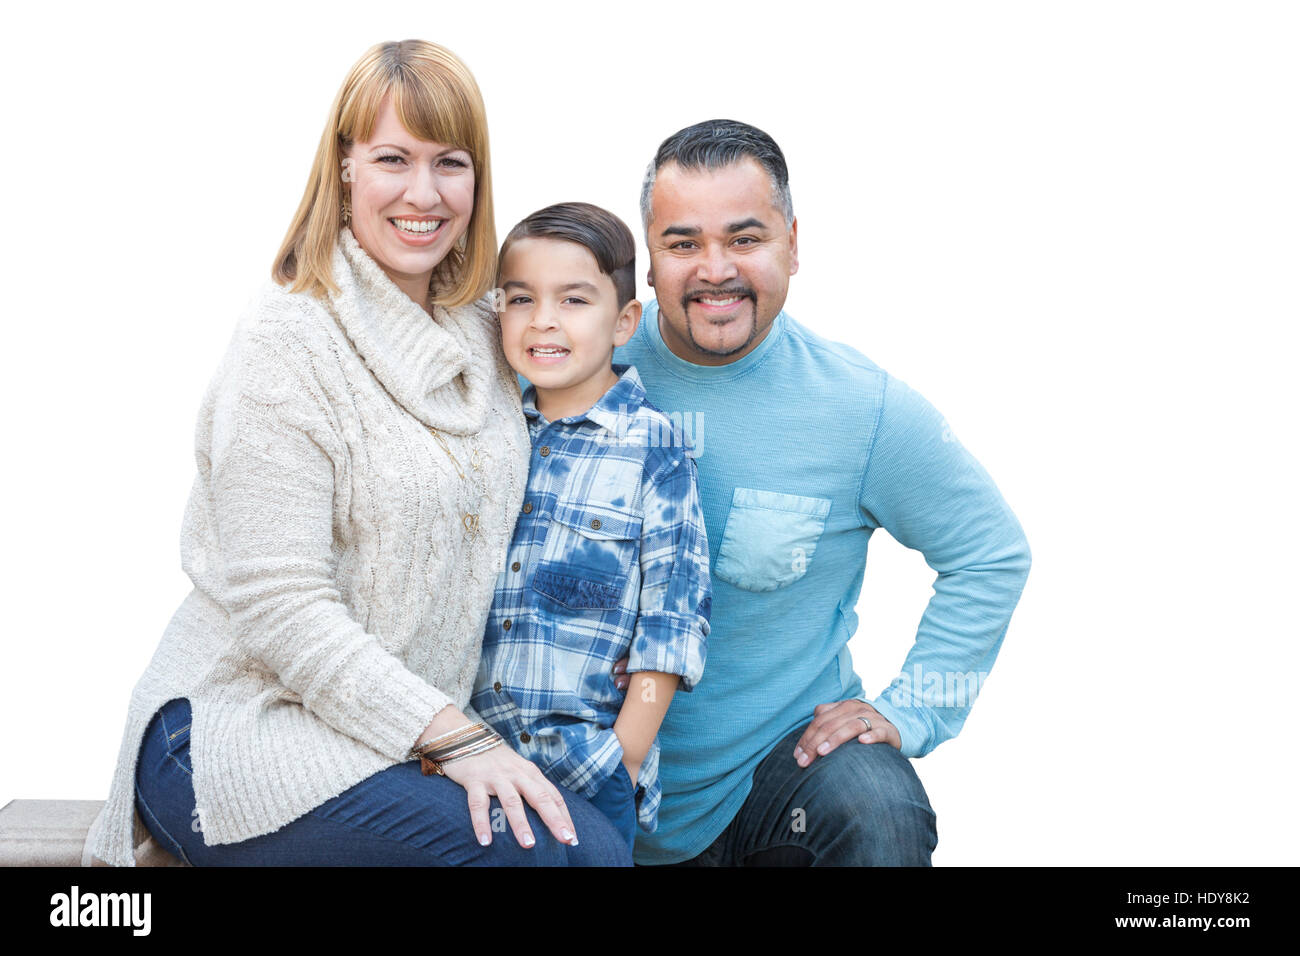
x,y
512,779
621,678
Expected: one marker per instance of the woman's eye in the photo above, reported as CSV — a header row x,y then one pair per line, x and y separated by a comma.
x,y
393,157
454,162
518,300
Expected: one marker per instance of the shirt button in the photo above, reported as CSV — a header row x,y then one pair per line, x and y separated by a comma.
x,y
595,523
505,625
544,451
515,566
528,507
525,737
497,687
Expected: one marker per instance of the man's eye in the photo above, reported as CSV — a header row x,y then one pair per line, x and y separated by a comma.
x,y
745,240
684,244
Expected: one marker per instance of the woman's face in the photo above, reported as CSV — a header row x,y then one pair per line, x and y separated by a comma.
x,y
411,201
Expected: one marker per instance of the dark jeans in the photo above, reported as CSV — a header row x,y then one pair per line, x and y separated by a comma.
x,y
616,800
860,805
397,817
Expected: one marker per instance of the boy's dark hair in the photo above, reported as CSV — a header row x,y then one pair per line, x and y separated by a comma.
x,y
713,144
597,230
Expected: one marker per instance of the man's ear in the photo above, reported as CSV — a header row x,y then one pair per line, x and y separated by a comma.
x,y
625,325
794,246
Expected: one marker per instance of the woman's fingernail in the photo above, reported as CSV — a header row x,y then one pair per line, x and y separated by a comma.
x,y
484,839
528,839
567,835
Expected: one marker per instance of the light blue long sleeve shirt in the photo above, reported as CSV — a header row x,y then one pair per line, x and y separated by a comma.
x,y
804,447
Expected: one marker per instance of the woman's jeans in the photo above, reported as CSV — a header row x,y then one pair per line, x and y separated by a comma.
x,y
397,817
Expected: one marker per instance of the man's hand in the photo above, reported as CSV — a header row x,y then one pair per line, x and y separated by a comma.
x,y
842,721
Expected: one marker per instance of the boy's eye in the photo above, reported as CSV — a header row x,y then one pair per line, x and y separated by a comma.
x,y
575,299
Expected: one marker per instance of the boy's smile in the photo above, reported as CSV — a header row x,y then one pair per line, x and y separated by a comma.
x,y
560,323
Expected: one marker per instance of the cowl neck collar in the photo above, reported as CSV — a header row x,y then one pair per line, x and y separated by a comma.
x,y
437,368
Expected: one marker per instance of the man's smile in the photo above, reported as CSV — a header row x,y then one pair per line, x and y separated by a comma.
x,y
721,303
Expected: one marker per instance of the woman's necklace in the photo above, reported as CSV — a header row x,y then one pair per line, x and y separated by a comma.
x,y
469,519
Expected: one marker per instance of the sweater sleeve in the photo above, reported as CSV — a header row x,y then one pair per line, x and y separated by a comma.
x,y
277,463
927,491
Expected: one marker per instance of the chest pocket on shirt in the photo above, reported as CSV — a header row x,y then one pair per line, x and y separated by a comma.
x,y
769,538
589,555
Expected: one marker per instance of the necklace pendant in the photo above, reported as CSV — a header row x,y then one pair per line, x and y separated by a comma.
x,y
471,525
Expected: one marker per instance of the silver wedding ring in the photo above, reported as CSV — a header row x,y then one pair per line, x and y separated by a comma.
x,y
865,721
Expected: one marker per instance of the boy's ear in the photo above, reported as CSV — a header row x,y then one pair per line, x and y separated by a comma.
x,y
625,325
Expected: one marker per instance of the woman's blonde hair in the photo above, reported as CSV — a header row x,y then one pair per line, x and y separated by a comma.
x,y
436,99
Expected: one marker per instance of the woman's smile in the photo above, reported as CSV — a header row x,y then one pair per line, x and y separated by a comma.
x,y
417,231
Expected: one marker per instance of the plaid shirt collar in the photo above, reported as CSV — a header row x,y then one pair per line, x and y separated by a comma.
x,y
613,410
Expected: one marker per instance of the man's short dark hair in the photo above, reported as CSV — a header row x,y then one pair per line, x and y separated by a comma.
x,y
597,230
714,144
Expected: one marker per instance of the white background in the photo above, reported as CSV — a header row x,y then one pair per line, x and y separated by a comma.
x,y
1072,227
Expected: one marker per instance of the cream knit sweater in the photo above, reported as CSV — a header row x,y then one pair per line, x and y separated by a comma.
x,y
340,591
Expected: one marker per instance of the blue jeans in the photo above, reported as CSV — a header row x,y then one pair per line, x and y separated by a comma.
x,y
860,805
397,817
617,801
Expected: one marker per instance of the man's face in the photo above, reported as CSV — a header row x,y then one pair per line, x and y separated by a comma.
x,y
721,257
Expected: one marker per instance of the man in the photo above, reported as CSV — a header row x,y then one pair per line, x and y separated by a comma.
x,y
804,447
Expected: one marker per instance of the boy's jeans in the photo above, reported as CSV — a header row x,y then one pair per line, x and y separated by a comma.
x,y
397,817
616,800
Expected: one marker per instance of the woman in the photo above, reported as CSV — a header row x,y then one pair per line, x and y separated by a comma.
x,y
362,456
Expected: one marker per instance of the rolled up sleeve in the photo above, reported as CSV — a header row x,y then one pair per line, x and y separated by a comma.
x,y
672,625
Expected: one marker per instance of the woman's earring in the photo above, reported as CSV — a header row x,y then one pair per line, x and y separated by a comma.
x,y
346,210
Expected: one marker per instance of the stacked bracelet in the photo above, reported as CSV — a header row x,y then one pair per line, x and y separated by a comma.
x,y
451,737
467,741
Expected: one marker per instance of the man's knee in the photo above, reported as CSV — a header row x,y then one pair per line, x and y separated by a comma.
x,y
870,808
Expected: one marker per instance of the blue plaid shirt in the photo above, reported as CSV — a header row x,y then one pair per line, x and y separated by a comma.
x,y
609,559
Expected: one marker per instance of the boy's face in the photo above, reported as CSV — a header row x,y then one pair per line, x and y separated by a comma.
x,y
560,323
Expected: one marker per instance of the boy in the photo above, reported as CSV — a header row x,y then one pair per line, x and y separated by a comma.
x,y
609,557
